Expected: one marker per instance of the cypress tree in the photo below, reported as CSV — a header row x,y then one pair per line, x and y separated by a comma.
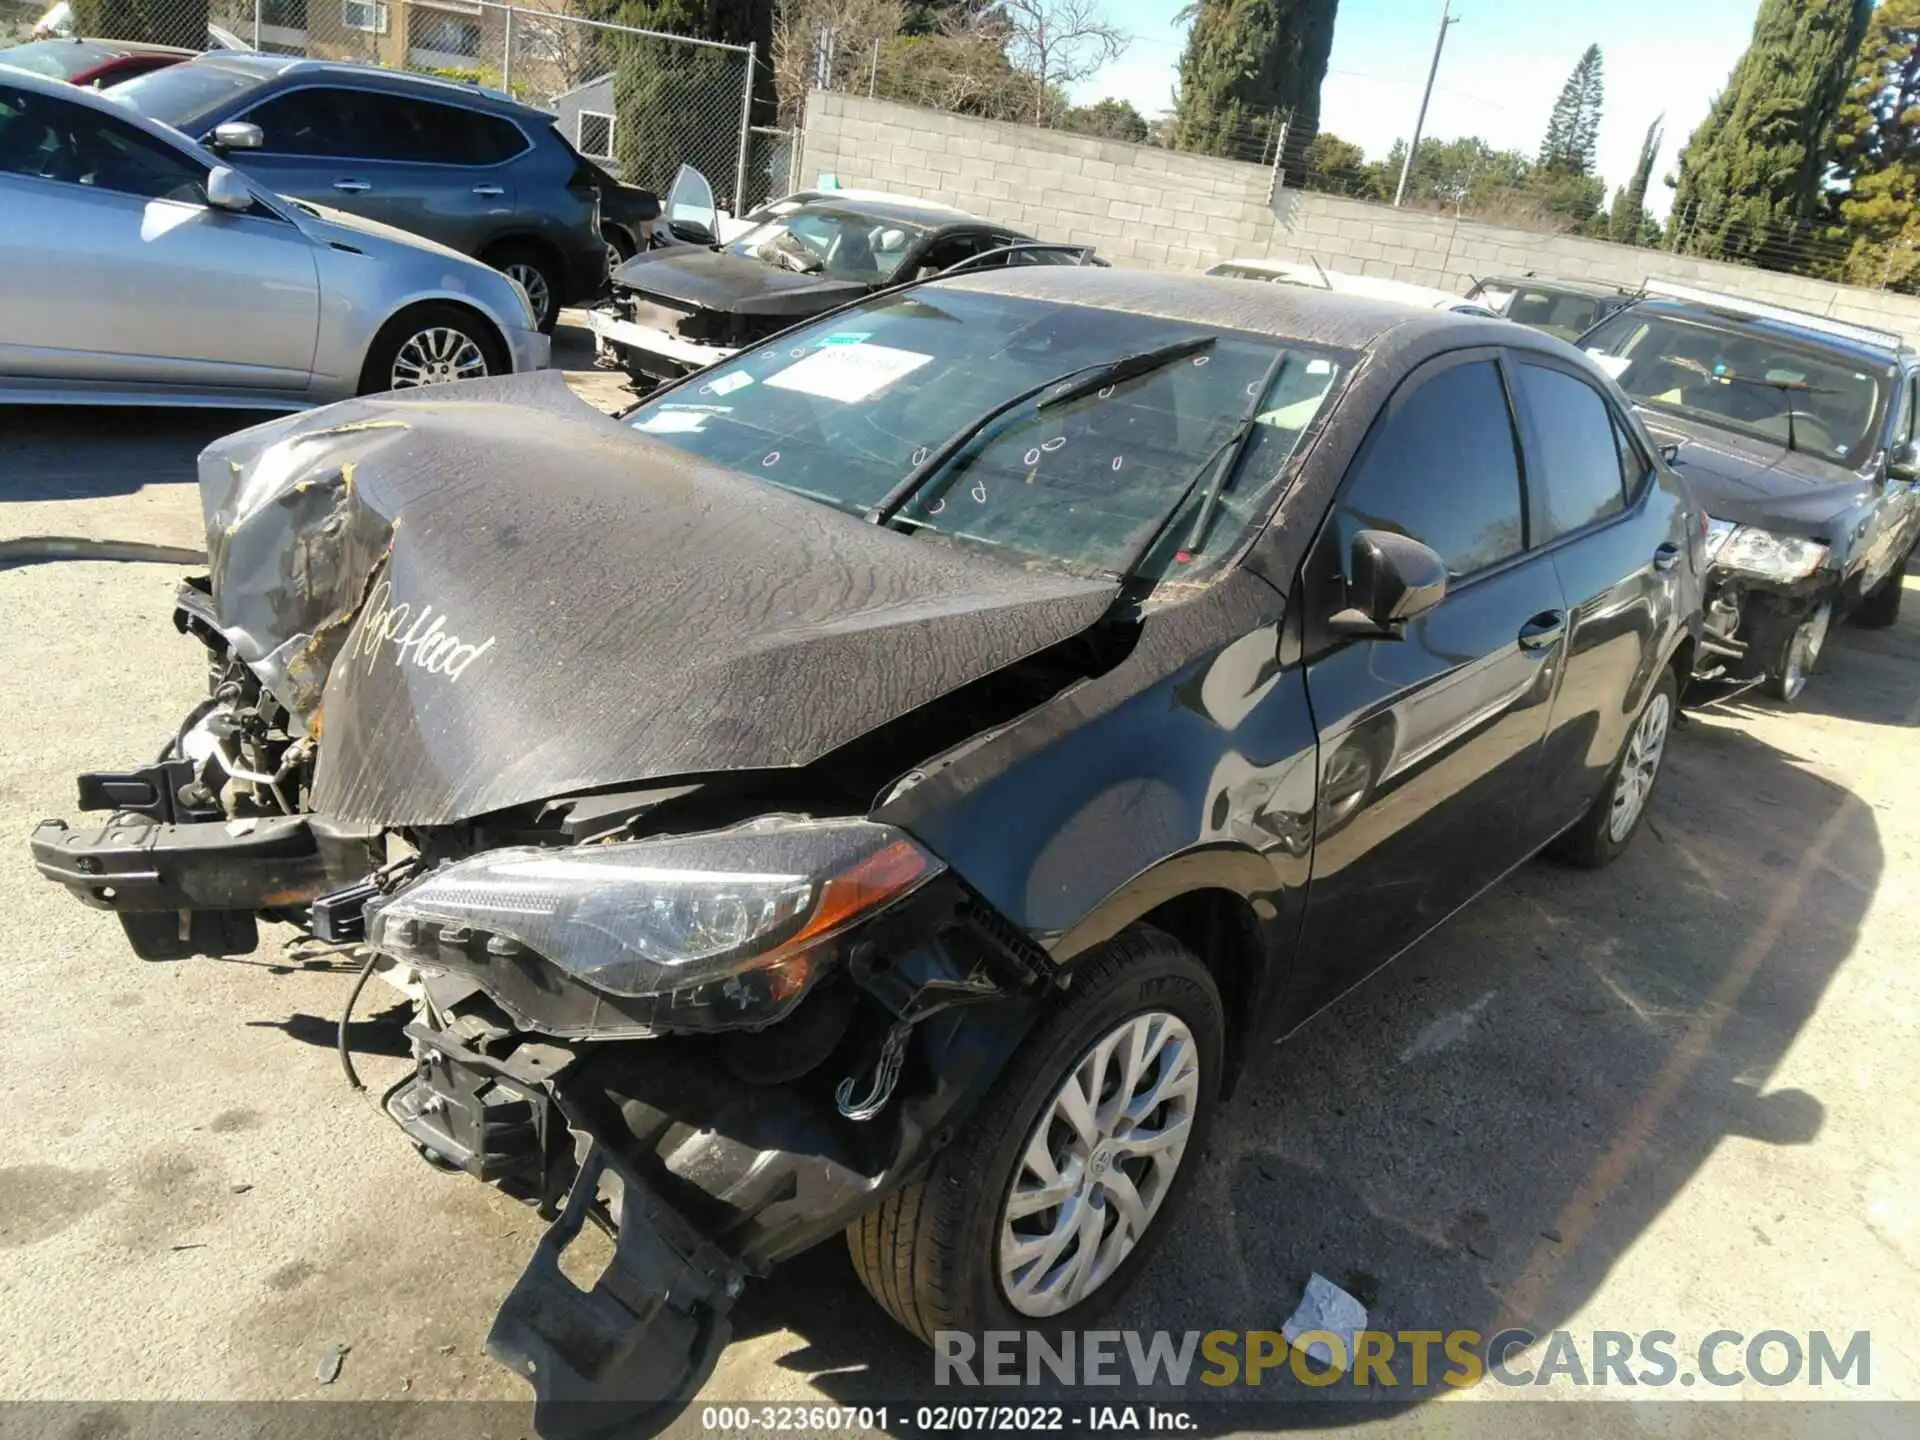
x,y
1876,153
1630,204
1246,62
1750,176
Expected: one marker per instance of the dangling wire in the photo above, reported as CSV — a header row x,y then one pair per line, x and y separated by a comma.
x,y
346,1016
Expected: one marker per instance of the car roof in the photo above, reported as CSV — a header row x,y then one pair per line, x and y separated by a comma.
x,y
898,208
102,100
1292,312
1599,289
104,49
368,77
1856,348
1345,282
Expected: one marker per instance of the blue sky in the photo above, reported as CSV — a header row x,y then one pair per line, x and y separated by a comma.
x,y
1504,65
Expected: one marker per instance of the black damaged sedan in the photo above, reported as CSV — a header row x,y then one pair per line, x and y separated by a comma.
x,y
888,782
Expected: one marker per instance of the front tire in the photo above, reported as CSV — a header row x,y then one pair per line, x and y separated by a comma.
x,y
1604,832
1792,666
1881,605
1041,1212
432,345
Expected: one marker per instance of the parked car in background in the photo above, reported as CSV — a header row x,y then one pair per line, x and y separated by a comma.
x,y
1566,308
473,169
93,63
58,24
1374,287
687,305
140,269
980,721
628,215
1797,433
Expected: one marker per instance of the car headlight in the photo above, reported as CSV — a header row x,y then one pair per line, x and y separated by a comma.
x,y
1753,551
726,928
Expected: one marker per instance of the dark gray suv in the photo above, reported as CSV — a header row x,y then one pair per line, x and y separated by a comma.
x,y
472,168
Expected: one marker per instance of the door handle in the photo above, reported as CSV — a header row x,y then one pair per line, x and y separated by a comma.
x,y
352,187
1544,630
488,190
1666,557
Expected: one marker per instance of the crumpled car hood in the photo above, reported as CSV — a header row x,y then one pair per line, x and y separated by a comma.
x,y
731,284
1754,482
491,594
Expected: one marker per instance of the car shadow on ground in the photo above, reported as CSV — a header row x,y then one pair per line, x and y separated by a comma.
x,y
1474,1137
73,452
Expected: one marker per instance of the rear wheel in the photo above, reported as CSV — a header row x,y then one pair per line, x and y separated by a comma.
x,y
534,269
1058,1190
431,345
1605,831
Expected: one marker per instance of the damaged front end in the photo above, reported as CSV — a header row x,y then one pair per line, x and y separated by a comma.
x,y
492,703
721,1048
1765,595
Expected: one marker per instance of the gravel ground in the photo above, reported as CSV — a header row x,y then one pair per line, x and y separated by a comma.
x,y
1673,1096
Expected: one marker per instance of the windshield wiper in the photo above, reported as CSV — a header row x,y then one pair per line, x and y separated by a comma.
x,y
1213,472
1788,389
1071,386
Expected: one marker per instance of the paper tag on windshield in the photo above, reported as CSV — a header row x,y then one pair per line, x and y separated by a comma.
x,y
678,420
848,372
727,384
1614,365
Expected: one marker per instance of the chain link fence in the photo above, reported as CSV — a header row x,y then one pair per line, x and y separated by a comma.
x,y
640,102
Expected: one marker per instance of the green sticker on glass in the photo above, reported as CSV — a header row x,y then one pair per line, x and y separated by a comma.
x,y
847,337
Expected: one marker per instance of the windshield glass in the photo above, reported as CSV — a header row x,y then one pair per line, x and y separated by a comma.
x,y
181,94
1723,373
842,410
1557,312
832,243
56,59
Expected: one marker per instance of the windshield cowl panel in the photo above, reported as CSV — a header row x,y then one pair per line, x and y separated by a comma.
x,y
843,411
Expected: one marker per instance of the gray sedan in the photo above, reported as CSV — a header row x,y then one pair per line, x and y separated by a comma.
x,y
140,270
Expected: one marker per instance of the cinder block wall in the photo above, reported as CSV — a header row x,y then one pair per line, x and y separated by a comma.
x,y
1144,206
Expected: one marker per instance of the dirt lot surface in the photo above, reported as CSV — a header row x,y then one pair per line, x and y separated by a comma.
x,y
1673,1096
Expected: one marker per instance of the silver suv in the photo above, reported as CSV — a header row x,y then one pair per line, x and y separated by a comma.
x,y
472,168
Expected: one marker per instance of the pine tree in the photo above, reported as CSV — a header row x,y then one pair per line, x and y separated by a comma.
x,y
1876,154
1629,214
1246,62
1573,132
1750,177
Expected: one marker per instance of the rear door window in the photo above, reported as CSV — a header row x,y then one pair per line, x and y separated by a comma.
x,y
1575,434
1443,467
424,132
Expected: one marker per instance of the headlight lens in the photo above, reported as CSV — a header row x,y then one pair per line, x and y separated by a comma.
x,y
1753,551
745,910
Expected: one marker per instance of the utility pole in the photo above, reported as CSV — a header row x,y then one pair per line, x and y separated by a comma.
x,y
1447,18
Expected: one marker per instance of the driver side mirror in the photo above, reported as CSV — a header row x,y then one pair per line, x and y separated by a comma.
x,y
236,135
1394,579
1904,462
227,191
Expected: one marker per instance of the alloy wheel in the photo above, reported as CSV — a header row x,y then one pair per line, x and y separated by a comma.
x,y
1805,650
533,280
437,356
1098,1164
1640,766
